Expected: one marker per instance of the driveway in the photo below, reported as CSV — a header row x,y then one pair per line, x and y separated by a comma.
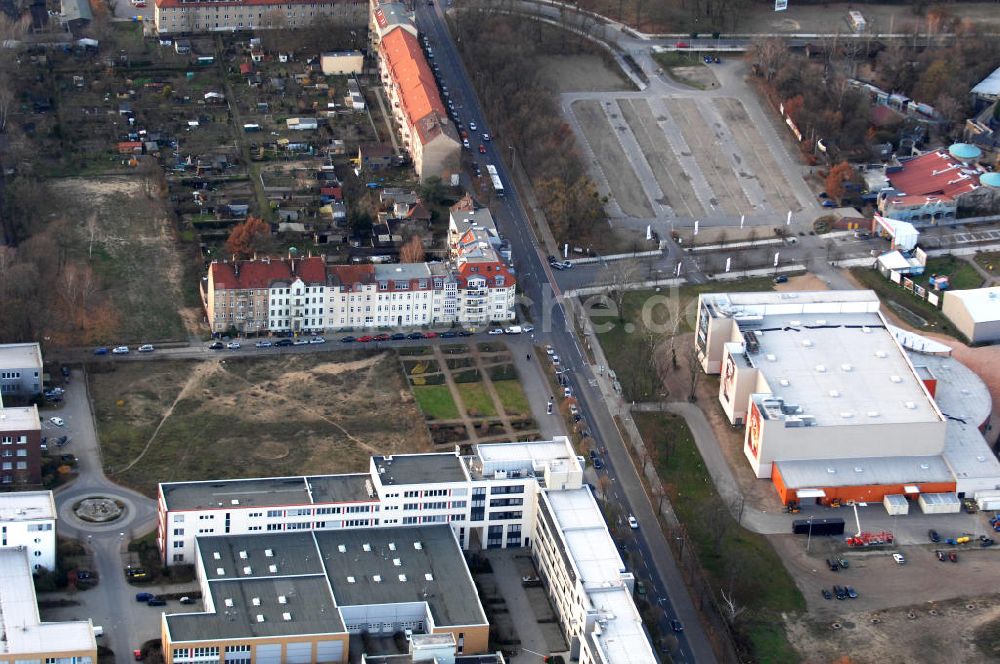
x,y
124,630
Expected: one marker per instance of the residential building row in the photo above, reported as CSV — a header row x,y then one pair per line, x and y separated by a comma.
x,y
303,295
425,130
21,371
381,552
190,16
27,547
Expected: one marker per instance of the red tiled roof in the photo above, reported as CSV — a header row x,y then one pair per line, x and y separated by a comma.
x,y
258,274
933,174
487,270
167,4
409,69
350,275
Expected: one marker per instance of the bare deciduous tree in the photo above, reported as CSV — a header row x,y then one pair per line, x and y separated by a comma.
x,y
730,609
620,275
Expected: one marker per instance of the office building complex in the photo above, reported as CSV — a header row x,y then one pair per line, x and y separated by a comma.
x,y
28,521
524,495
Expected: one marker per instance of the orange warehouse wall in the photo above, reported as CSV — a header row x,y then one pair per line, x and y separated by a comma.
x,y
867,493
779,485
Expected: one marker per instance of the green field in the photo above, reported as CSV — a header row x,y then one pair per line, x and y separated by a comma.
x,y
960,272
435,402
477,400
626,342
512,398
989,261
733,558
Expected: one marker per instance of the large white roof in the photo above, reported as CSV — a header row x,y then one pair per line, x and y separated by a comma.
x,y
983,304
19,418
20,356
27,506
22,629
842,369
989,86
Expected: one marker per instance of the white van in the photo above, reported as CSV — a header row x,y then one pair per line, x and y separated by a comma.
x,y
513,329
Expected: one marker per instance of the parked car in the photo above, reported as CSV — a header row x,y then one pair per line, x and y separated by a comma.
x,y
264,343
933,536
828,204
464,333
482,149
472,126
851,592
781,279
120,350
137,654
146,348
399,336
186,600
382,337
632,522
898,557
527,329
676,625
301,341
144,597
826,593
486,137
347,340
495,331
101,350
58,421
62,440
640,588
415,335
952,556
430,335
283,342
985,541
216,345
833,565
549,350
157,601
448,334
364,339
844,563
839,592
233,345
598,464
940,555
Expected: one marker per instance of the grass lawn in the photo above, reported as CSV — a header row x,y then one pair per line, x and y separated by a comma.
x,y
477,400
989,261
435,401
174,420
961,273
512,397
886,290
732,557
628,348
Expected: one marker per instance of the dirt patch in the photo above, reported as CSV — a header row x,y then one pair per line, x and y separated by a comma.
x,y
580,73
700,77
119,229
246,417
624,183
803,282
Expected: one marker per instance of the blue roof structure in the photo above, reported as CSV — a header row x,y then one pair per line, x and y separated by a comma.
x,y
964,151
990,179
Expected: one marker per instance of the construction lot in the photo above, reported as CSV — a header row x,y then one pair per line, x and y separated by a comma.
x,y
688,157
227,417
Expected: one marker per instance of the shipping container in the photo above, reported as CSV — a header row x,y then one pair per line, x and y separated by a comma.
x,y
819,526
896,504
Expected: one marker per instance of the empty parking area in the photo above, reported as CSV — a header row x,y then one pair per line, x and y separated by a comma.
x,y
711,154
759,162
618,172
674,181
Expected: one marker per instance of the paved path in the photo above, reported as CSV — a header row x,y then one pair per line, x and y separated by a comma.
x,y
124,629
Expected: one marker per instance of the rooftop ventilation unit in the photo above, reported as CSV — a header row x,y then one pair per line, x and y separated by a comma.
x,y
784,382
341,548
377,579
260,618
366,546
428,577
847,367
269,553
771,357
866,330
286,617
807,343
235,501
273,569
216,555
820,368
881,354
282,599
418,546
847,415
402,578
350,579
220,572
247,571
255,601
795,323
832,471
910,405
872,413
835,394
859,469
821,321
243,555
228,602
397,562
392,546
924,466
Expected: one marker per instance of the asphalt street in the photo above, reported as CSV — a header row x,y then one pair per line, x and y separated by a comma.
x,y
547,311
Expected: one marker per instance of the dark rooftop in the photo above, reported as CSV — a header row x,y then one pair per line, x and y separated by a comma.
x,y
434,573
419,468
340,488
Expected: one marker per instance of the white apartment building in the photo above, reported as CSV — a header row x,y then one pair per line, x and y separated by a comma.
x,y
505,495
28,520
190,16
305,296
